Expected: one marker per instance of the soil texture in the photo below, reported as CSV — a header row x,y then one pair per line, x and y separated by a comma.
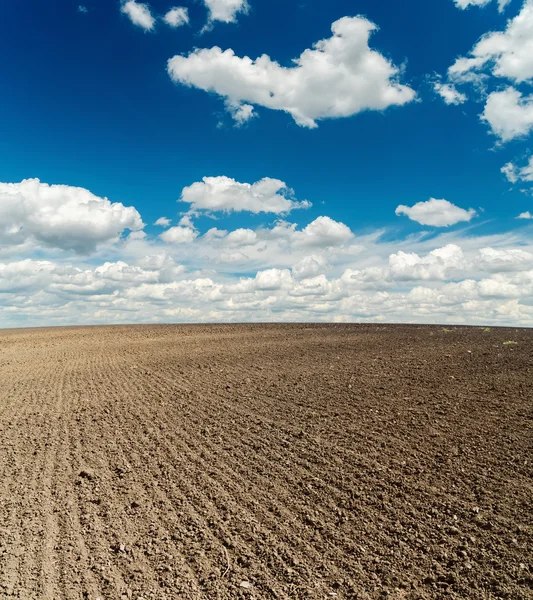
x,y
266,461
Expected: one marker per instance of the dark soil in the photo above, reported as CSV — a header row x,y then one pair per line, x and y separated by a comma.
x,y
266,461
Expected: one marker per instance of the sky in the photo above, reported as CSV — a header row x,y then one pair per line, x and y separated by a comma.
x,y
266,160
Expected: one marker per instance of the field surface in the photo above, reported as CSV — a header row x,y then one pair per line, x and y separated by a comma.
x,y
266,461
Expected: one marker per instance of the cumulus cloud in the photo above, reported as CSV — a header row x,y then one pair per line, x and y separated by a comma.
x,y
467,3
497,260
273,279
460,284
436,213
509,114
25,276
179,235
323,231
449,93
162,222
525,215
439,264
241,237
227,195
339,77
225,11
61,216
139,14
309,266
508,53
284,271
177,17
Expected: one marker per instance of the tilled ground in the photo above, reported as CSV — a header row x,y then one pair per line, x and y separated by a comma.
x,y
266,461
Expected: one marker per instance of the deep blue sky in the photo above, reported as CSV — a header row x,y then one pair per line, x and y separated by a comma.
x,y
86,101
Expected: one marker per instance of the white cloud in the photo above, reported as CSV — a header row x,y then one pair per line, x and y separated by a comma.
x,y
61,216
121,271
139,14
273,279
177,17
510,172
225,11
439,264
162,222
309,266
241,237
339,77
467,3
156,289
509,52
241,113
25,276
225,194
525,215
496,260
436,213
509,114
515,174
322,232
313,272
449,93
82,9
179,235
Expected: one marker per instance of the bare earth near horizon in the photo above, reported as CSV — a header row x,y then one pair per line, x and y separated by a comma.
x,y
266,461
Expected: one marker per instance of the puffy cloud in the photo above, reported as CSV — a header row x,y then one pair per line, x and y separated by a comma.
x,y
498,260
61,216
214,234
25,276
139,14
179,235
225,194
186,221
509,114
323,231
498,287
436,213
276,273
525,215
121,271
241,113
339,77
225,11
177,17
241,237
82,9
467,3
509,52
158,290
449,93
162,222
514,173
309,266
273,279
439,264
313,286
368,278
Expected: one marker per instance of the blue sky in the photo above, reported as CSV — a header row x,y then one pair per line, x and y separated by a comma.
x,y
89,101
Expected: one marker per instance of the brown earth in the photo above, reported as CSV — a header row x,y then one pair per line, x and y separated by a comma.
x,y
266,461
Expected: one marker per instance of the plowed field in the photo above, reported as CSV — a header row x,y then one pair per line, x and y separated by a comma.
x,y
266,461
